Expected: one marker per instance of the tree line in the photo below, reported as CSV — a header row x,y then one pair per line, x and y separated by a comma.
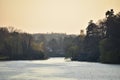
x,y
54,43
101,42
15,45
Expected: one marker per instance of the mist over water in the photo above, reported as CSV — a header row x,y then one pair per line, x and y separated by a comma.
x,y
57,69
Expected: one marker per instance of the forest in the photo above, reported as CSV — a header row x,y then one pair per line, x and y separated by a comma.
x,y
101,43
16,45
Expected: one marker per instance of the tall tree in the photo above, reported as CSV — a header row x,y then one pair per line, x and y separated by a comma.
x,y
110,46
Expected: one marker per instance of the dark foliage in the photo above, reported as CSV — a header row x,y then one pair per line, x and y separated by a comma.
x,y
15,45
101,42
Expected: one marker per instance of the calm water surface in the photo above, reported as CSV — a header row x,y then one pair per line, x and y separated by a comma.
x,y
57,69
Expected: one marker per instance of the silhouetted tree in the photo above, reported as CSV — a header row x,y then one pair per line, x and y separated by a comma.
x,y
110,45
91,42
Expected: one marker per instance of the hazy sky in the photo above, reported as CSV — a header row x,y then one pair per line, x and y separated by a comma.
x,y
66,16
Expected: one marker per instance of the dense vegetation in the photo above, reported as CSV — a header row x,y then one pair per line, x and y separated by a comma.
x,y
101,42
110,45
15,45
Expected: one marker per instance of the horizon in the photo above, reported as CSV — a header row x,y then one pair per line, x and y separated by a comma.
x,y
57,16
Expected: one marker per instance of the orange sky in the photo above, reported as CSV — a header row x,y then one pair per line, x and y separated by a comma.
x,y
41,16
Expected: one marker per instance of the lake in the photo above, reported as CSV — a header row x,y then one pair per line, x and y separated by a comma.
x,y
57,69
